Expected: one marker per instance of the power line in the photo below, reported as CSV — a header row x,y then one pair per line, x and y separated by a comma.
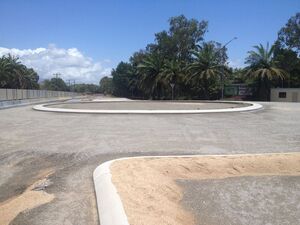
x,y
71,83
57,75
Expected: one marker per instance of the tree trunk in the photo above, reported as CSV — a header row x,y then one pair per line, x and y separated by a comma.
x,y
206,88
264,89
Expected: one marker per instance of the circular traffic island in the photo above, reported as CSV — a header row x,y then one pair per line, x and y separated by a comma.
x,y
148,107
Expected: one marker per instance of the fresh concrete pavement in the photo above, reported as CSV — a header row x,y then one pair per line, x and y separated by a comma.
x,y
73,145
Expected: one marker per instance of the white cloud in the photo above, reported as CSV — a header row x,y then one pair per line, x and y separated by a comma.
x,y
236,63
70,63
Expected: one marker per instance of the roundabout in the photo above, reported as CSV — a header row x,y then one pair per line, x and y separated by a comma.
x,y
58,152
148,107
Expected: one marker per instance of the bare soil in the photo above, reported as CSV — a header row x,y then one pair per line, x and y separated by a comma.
x,y
148,105
32,197
151,195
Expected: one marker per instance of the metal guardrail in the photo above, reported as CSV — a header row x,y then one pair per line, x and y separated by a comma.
x,y
19,94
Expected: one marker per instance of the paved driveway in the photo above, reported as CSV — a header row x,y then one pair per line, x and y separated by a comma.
x,y
74,144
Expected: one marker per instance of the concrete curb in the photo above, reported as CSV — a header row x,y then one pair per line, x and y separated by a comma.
x,y
112,100
253,106
110,207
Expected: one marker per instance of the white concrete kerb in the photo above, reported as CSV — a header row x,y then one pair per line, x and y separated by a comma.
x,y
252,106
110,207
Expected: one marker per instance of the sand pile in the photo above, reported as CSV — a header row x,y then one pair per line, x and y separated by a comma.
x,y
32,197
150,194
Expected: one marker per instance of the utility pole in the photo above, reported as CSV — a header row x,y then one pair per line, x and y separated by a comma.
x,y
69,84
74,85
57,75
222,74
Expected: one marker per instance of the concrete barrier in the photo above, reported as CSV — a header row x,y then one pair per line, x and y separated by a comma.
x,y
21,94
25,102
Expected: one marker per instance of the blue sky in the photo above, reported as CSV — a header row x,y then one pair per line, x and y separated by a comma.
x,y
106,32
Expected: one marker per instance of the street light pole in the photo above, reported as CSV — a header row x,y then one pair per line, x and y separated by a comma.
x,y
222,74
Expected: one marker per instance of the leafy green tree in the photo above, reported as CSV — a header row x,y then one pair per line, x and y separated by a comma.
x,y
288,60
289,35
86,88
106,85
121,77
133,85
55,84
287,52
183,35
263,69
149,72
238,76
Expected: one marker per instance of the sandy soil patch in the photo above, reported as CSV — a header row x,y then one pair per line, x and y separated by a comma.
x,y
149,192
147,105
32,197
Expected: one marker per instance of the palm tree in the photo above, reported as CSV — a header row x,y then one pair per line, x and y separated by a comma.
x,y
17,72
31,79
263,68
4,71
133,82
173,73
151,73
13,74
21,79
205,67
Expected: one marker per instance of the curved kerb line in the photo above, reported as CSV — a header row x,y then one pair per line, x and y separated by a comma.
x,y
110,207
253,106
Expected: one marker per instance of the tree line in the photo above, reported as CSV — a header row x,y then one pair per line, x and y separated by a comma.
x,y
181,64
15,75
58,84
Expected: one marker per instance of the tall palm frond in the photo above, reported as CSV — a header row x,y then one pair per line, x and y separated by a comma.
x,y
261,64
150,71
173,71
263,67
205,66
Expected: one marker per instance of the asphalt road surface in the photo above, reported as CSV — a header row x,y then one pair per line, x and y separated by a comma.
x,y
73,145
